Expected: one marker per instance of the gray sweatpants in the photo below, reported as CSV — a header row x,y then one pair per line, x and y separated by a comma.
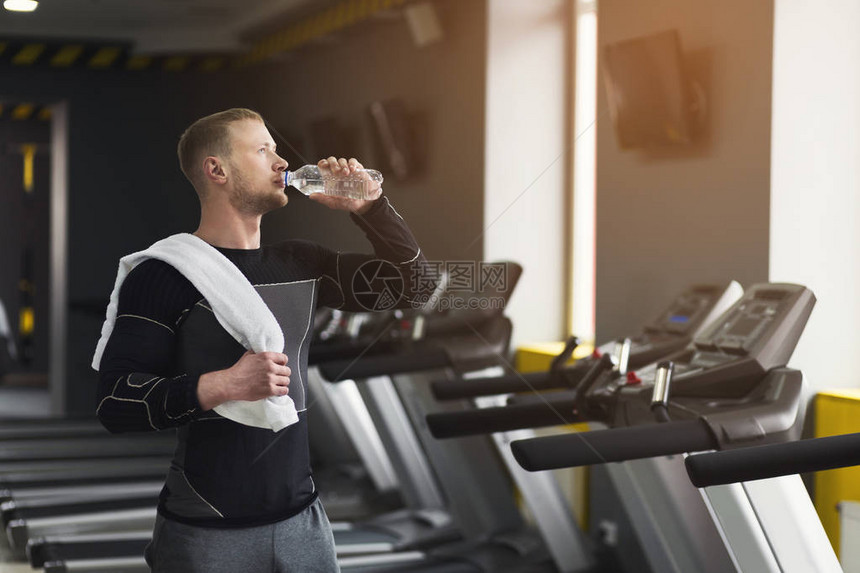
x,y
302,544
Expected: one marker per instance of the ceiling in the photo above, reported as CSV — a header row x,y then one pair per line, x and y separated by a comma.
x,y
156,26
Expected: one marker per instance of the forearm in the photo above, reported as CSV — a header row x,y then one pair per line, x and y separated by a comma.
x,y
386,230
394,242
211,390
140,402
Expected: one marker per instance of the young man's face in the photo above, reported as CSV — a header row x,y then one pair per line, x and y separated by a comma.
x,y
255,169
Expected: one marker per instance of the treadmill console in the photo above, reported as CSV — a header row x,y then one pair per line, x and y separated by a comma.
x,y
765,324
689,312
694,309
730,365
732,380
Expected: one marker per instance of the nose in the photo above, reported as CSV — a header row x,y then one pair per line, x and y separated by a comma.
x,y
281,164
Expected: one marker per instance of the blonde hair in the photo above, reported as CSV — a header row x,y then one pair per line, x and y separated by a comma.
x,y
207,136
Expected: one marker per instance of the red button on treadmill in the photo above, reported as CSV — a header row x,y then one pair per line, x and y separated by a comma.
x,y
632,378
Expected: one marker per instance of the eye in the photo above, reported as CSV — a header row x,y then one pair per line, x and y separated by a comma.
x,y
262,149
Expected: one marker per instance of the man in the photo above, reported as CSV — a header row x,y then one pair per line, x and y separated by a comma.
x,y
236,498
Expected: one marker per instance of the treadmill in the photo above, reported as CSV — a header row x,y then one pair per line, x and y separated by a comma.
x,y
763,481
549,398
41,453
473,481
394,388
730,388
691,311
354,471
350,460
378,422
19,477
54,480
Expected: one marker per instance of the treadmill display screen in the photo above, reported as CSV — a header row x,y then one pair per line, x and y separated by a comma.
x,y
770,294
679,318
744,327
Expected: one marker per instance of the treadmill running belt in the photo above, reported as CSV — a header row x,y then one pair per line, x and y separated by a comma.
x,y
60,551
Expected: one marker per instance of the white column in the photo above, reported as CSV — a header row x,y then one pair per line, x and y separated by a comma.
x,y
527,115
815,178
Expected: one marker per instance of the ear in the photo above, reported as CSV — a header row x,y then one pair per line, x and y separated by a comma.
x,y
214,170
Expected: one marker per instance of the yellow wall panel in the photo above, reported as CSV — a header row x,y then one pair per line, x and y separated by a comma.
x,y
836,413
573,481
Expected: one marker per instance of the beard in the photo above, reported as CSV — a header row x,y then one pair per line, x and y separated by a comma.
x,y
247,200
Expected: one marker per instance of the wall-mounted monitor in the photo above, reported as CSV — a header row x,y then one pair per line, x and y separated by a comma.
x,y
648,92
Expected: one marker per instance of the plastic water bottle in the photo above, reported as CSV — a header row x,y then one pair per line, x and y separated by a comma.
x,y
361,184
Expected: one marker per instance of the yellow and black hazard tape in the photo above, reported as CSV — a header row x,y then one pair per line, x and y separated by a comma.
x,y
53,54
60,55
22,111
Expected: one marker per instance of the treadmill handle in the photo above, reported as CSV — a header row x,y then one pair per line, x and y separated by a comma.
x,y
622,355
361,368
660,395
501,419
761,462
566,354
459,389
615,445
603,364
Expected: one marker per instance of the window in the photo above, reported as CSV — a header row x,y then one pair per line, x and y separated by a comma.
x,y
581,319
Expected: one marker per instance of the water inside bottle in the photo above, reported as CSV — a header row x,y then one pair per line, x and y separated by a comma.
x,y
349,188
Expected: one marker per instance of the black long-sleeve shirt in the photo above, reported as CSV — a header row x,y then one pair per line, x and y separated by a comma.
x,y
225,474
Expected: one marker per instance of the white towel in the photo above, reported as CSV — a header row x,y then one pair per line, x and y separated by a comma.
x,y
235,303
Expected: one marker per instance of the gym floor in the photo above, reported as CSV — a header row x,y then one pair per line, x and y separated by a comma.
x,y
16,402
23,402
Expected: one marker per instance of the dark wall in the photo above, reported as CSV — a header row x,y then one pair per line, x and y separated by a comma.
x,y
126,190
444,82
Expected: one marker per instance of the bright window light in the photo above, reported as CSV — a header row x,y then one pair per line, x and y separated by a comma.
x,y
20,5
581,321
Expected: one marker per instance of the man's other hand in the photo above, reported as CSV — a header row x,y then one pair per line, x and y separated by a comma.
x,y
254,377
